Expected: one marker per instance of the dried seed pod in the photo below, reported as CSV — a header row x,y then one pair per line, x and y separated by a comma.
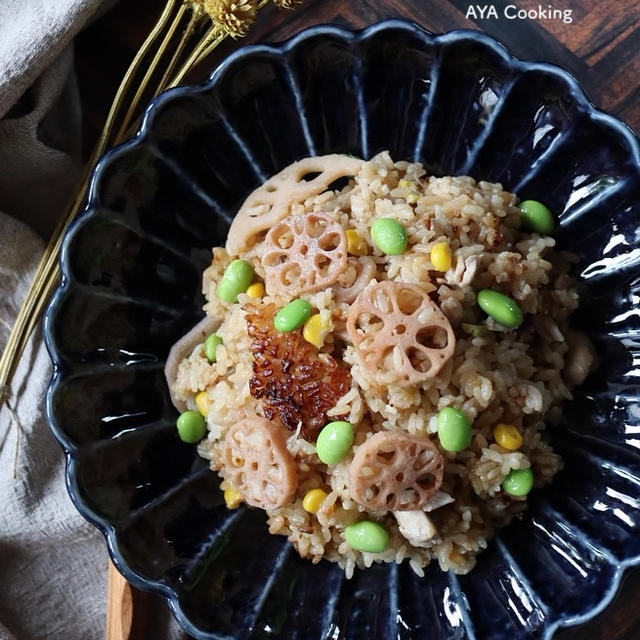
x,y
304,253
271,202
401,335
259,464
358,274
395,471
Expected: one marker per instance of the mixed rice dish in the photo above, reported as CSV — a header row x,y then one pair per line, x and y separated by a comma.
x,y
381,355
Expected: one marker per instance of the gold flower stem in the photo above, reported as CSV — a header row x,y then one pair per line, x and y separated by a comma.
x,y
133,105
47,273
124,86
48,288
208,50
214,34
195,16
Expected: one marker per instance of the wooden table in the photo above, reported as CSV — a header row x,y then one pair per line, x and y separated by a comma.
x,y
601,47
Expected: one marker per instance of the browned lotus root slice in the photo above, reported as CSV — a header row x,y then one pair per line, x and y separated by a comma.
x,y
304,253
359,273
400,332
395,472
294,382
258,463
272,201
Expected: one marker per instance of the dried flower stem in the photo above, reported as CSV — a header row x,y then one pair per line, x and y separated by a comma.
x,y
47,274
135,101
196,15
207,51
211,39
124,86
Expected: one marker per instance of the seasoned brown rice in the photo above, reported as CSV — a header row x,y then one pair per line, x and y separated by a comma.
x,y
516,376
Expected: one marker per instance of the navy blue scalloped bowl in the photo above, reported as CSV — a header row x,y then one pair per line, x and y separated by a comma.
x,y
132,265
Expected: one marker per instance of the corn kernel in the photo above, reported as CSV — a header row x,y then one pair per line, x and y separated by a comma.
x,y
316,330
441,256
203,403
356,244
232,497
256,290
405,183
313,500
412,198
507,436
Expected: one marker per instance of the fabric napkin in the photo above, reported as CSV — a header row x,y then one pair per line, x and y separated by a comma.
x,y
32,34
53,564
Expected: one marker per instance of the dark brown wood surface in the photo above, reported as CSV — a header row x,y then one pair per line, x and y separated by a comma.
x,y
601,48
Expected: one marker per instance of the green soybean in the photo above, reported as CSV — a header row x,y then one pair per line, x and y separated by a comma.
x,y
518,482
536,217
366,536
501,308
211,345
293,315
235,280
334,441
389,236
191,426
454,429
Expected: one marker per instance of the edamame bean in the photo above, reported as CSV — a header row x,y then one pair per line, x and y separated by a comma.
x,y
518,482
211,345
334,441
292,315
536,217
191,426
454,429
389,236
500,307
236,279
366,536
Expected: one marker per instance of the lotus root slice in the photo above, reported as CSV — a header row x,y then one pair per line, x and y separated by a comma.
x,y
394,471
304,253
358,274
271,202
259,464
400,333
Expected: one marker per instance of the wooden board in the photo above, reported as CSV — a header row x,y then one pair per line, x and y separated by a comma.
x,y
601,47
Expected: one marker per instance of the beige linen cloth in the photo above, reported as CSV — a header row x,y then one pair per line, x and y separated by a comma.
x,y
45,593
52,562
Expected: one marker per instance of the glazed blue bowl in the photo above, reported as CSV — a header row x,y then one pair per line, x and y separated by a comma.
x,y
132,265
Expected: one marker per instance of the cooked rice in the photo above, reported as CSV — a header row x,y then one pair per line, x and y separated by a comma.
x,y
513,376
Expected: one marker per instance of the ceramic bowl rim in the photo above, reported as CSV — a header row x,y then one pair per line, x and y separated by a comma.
x,y
348,35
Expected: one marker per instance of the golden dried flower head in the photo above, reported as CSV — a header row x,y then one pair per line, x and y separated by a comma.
x,y
234,16
287,4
